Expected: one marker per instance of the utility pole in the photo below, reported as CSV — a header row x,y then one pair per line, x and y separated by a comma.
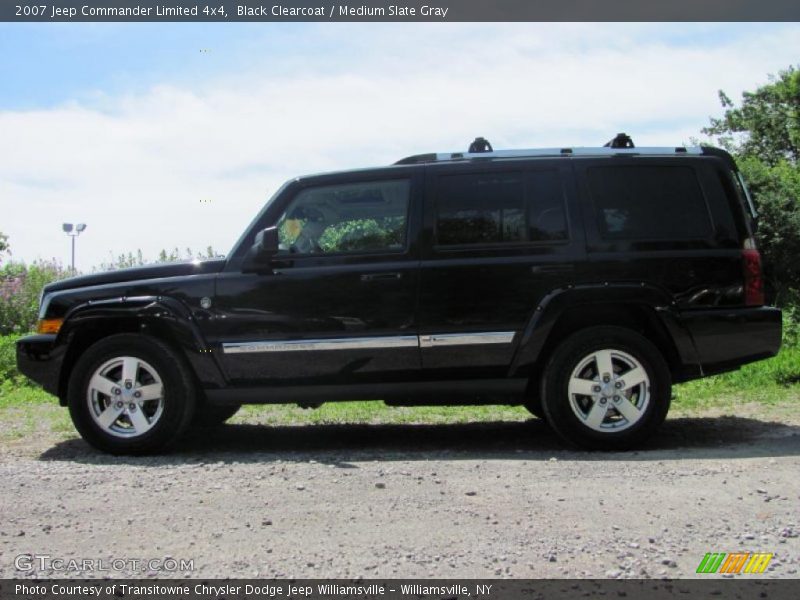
x,y
73,232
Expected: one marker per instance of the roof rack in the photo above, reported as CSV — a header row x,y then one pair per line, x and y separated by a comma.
x,y
481,149
622,140
480,145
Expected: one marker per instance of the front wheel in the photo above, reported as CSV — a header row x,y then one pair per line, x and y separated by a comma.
x,y
130,394
606,388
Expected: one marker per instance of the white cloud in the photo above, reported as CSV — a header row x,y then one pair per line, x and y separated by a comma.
x,y
136,167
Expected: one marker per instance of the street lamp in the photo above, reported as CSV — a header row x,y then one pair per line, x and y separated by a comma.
x,y
73,233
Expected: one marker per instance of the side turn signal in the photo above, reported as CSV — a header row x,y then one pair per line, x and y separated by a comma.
x,y
49,325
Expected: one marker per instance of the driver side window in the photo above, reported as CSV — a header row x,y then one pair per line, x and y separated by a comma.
x,y
346,218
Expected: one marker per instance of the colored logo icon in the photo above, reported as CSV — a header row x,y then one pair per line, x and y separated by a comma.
x,y
737,562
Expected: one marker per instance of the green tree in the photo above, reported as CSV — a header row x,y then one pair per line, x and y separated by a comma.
x,y
3,244
20,287
763,134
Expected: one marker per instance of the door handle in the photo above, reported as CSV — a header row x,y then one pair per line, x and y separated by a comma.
x,y
542,269
381,276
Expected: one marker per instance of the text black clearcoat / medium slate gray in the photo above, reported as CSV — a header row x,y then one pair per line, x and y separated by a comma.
x,y
505,274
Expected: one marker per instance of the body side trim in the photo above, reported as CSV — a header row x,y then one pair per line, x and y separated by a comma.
x,y
401,341
465,339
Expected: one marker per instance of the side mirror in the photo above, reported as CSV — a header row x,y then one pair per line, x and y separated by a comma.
x,y
260,255
267,241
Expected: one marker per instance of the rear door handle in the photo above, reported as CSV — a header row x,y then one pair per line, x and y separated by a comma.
x,y
542,269
381,276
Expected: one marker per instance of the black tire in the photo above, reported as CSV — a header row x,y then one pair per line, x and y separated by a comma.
x,y
177,398
617,432
210,415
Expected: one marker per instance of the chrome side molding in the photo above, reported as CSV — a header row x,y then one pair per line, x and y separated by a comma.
x,y
465,339
399,341
403,341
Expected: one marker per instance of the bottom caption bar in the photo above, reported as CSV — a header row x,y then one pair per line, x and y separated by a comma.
x,y
496,589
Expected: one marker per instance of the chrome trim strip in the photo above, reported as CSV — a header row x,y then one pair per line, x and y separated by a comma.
x,y
402,341
575,151
465,339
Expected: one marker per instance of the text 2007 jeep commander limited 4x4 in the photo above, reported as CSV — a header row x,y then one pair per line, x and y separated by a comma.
x,y
581,283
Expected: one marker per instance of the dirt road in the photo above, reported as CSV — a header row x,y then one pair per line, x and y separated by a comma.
x,y
475,500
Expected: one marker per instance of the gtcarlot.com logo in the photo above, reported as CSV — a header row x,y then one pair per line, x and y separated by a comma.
x,y
737,562
45,562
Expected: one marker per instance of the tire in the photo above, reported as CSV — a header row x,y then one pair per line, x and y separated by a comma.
x,y
140,383
210,415
590,412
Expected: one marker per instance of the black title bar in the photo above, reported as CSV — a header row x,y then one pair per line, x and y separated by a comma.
x,y
397,589
410,10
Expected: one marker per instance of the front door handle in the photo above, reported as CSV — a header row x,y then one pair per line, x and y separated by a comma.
x,y
381,276
543,269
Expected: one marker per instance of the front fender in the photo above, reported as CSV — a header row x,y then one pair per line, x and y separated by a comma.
x,y
160,316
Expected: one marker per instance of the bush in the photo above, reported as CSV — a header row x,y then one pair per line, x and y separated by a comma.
x,y
791,327
8,362
20,287
137,259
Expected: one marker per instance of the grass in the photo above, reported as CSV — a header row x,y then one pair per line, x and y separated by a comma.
x,y
28,411
769,381
375,411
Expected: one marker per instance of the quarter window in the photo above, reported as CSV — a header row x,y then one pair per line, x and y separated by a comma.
x,y
348,218
649,203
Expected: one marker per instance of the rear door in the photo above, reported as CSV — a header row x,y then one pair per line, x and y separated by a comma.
x,y
497,239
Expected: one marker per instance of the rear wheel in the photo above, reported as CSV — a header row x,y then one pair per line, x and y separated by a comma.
x,y
130,394
606,388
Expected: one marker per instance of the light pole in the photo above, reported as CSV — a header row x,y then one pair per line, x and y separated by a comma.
x,y
68,229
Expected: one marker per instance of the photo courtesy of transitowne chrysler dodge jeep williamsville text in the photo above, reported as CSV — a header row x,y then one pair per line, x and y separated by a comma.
x,y
578,282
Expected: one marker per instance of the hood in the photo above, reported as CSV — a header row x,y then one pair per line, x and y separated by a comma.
x,y
157,271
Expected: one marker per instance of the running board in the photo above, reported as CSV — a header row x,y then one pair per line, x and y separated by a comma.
x,y
416,393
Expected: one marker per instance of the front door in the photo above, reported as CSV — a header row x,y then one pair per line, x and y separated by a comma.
x,y
339,304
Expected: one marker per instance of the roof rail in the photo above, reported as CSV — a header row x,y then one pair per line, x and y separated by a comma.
x,y
549,152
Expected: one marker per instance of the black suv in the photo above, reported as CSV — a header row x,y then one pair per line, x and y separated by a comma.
x,y
579,282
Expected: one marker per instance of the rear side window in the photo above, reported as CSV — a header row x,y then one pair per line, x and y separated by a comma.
x,y
497,208
649,203
480,209
547,219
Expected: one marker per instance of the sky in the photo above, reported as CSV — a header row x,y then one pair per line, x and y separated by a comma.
x,y
175,135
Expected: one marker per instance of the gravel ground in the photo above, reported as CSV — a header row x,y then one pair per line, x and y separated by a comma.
x,y
474,500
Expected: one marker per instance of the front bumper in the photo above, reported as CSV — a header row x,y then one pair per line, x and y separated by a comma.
x,y
39,359
725,339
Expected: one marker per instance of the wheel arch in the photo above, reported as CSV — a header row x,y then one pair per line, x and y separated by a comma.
x,y
639,307
159,317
